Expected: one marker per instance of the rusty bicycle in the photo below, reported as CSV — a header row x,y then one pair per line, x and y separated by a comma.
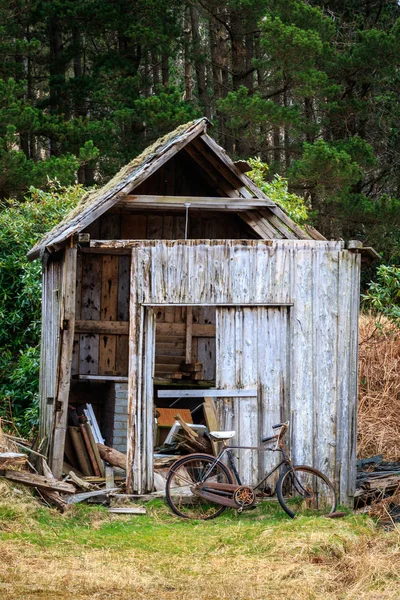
x,y
201,486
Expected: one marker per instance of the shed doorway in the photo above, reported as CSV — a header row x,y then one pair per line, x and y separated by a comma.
x,y
184,360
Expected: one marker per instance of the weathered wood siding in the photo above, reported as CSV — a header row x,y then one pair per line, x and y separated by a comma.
x,y
52,276
301,353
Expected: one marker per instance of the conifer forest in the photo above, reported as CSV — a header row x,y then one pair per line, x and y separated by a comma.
x,y
306,90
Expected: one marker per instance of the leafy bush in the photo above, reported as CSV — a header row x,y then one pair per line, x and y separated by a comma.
x,y
22,224
277,190
383,295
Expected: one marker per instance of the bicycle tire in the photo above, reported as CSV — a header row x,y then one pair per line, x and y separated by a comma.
x,y
187,470
303,490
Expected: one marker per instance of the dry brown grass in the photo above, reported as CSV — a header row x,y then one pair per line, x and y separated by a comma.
x,y
379,390
295,560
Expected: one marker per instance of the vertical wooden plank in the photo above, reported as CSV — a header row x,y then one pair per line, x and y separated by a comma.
x,y
353,369
110,226
154,227
90,310
344,412
108,312
67,338
272,359
189,334
109,288
325,281
123,287
148,402
133,227
302,359
168,228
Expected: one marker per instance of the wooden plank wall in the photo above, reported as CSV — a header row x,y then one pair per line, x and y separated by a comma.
x,y
50,339
102,296
307,362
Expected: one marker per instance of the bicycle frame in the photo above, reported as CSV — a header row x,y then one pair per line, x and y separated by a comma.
x,y
280,447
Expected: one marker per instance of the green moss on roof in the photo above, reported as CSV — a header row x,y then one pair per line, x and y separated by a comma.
x,y
91,197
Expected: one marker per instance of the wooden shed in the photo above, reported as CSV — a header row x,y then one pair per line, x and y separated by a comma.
x,y
180,258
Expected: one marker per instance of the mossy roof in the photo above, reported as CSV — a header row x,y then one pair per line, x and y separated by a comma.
x,y
98,200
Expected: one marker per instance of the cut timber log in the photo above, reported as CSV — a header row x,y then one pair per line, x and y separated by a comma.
x,y
38,481
112,456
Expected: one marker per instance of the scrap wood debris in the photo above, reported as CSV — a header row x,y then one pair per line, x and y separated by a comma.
x,y
378,488
75,487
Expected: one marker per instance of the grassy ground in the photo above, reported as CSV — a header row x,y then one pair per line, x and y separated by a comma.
x,y
89,553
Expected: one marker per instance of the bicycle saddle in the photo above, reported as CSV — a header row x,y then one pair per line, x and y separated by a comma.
x,y
222,435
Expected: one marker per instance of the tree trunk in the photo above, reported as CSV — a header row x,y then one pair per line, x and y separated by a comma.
x,y
199,61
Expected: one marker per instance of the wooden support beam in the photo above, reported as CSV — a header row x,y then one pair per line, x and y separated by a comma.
x,y
64,372
207,393
189,334
196,202
106,327
179,329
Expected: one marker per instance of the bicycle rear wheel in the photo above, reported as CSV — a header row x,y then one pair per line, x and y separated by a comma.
x,y
303,490
184,474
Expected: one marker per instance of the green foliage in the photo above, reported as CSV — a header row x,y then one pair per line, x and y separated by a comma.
x,y
278,191
22,224
383,295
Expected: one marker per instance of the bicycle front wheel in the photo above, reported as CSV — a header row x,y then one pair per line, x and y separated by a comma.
x,y
185,474
303,490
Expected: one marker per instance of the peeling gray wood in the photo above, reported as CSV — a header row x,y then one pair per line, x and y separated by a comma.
x,y
295,361
67,339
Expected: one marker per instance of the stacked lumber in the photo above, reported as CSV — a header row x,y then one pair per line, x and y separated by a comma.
x,y
193,371
376,479
81,451
190,440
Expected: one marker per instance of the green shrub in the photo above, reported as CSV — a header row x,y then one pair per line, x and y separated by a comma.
x,y
22,224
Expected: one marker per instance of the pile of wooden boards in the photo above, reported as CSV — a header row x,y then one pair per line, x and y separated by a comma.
x,y
376,479
81,449
190,441
193,371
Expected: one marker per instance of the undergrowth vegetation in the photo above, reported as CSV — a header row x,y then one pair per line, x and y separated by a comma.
x,y
22,224
90,553
379,388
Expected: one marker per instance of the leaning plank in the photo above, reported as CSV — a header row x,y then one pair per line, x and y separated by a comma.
x,y
128,510
112,456
89,449
210,416
39,481
80,450
76,498
64,376
85,485
95,449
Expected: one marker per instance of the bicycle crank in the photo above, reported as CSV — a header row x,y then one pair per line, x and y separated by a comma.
x,y
226,494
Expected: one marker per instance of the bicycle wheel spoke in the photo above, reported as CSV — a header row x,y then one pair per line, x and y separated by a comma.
x,y
306,491
183,479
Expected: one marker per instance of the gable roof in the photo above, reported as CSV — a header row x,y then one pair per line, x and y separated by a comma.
x,y
270,222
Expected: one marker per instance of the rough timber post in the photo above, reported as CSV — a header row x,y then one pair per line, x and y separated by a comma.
x,y
64,374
